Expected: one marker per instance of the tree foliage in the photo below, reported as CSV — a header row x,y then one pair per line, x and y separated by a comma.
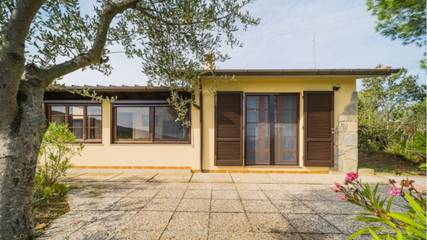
x,y
392,113
43,40
401,19
171,38
58,147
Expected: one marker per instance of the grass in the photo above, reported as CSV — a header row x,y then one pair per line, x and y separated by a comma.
x,y
387,163
44,213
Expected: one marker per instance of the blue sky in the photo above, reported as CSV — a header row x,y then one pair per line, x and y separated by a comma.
x,y
344,35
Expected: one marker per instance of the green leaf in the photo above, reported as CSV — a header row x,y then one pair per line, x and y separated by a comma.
x,y
405,219
389,204
373,234
367,219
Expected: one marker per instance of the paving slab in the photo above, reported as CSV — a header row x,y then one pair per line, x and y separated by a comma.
x,y
225,194
277,236
150,221
211,178
229,222
269,222
194,205
252,195
180,205
185,235
137,235
292,206
259,206
189,221
231,236
310,223
162,204
197,193
221,205
170,193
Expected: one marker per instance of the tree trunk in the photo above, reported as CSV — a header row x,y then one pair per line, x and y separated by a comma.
x,y
21,134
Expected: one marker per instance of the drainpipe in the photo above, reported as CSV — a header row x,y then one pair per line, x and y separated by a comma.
x,y
201,123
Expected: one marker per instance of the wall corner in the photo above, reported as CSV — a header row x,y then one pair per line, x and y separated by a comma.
x,y
346,151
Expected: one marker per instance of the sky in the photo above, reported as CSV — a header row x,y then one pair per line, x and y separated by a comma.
x,y
292,34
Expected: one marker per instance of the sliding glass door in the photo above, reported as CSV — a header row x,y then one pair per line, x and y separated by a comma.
x,y
285,130
272,129
258,130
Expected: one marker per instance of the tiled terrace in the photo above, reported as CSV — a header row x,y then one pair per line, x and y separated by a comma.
x,y
181,205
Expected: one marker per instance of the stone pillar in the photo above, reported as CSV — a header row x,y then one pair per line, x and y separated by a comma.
x,y
346,152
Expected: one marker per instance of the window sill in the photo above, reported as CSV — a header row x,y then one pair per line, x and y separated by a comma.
x,y
152,143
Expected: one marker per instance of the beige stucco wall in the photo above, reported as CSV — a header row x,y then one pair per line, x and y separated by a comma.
x,y
344,100
140,155
108,154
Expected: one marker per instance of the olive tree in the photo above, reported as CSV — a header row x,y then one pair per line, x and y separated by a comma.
x,y
43,40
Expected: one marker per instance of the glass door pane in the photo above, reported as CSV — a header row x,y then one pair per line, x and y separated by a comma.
x,y
257,130
285,130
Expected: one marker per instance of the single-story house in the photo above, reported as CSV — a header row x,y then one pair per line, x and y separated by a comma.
x,y
302,120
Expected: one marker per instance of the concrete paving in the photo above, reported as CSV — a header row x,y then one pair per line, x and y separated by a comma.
x,y
181,205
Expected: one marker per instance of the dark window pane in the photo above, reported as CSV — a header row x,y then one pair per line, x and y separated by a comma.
x,y
78,132
95,133
133,122
58,118
57,114
76,110
94,121
60,110
94,110
257,130
286,129
76,121
165,126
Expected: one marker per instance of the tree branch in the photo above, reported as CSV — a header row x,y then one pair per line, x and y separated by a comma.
x,y
17,28
94,55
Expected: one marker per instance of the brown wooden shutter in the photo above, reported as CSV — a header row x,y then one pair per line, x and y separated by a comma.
x,y
228,129
319,124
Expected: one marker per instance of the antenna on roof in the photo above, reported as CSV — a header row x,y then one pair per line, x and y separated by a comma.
x,y
314,51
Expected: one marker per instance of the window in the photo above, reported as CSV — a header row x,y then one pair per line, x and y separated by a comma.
x,y
148,124
85,121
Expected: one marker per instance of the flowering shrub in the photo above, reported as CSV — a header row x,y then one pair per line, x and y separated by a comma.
x,y
383,223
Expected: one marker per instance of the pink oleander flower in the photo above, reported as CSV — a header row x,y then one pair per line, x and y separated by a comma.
x,y
343,198
394,191
336,187
351,176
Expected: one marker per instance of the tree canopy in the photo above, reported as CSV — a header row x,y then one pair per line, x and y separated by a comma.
x,y
401,19
170,37
43,40
392,114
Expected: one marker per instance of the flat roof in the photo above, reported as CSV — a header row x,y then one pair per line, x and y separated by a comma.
x,y
356,72
359,72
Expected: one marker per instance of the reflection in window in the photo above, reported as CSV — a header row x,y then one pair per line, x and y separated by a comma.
x,y
165,126
85,121
148,124
133,123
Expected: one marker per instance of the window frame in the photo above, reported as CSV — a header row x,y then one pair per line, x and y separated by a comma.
x,y
67,105
151,140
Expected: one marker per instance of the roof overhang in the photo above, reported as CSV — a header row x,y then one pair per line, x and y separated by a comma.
x,y
357,72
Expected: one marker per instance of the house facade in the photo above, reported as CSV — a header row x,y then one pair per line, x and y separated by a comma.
x,y
243,121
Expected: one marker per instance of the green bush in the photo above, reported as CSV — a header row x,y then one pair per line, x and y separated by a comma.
x,y
382,222
392,116
58,147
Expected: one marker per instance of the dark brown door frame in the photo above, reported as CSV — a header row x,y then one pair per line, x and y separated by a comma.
x,y
272,117
332,125
216,127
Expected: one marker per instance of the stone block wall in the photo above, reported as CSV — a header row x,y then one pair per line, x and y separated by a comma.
x,y
346,153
